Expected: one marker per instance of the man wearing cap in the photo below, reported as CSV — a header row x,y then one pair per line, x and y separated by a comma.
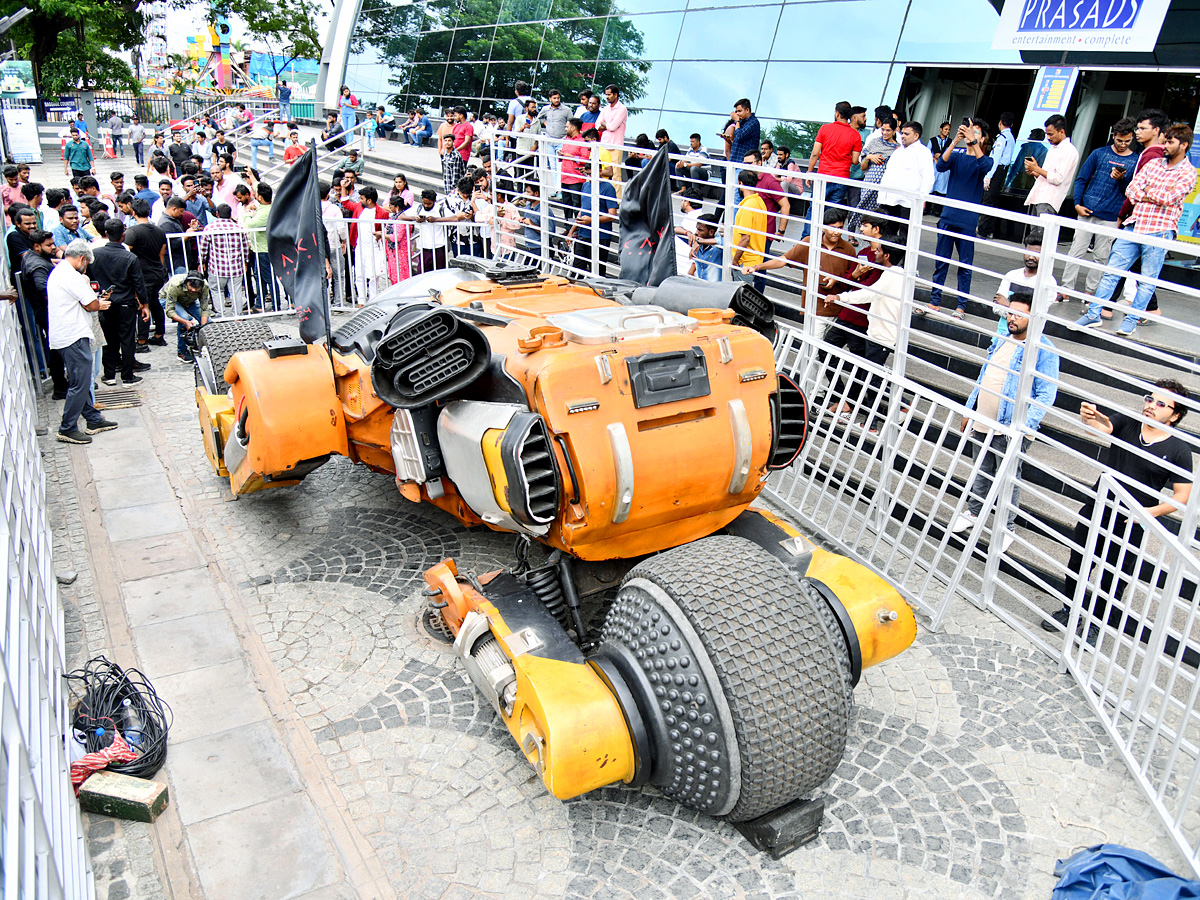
x,y
187,301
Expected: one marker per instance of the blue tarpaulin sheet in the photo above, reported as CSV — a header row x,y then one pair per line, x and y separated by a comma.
x,y
263,66
1113,872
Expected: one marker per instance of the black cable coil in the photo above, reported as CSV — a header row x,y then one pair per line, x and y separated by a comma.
x,y
109,698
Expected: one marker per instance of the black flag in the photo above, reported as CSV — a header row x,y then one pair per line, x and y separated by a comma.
x,y
296,243
647,233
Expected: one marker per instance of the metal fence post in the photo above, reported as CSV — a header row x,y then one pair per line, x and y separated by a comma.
x,y
730,216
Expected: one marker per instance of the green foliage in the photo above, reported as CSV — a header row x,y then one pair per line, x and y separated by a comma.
x,y
88,66
84,29
800,136
408,36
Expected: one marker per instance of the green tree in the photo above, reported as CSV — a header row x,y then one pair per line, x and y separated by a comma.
x,y
431,64
88,65
799,136
65,38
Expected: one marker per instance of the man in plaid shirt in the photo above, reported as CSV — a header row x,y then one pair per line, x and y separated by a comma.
x,y
1157,193
223,249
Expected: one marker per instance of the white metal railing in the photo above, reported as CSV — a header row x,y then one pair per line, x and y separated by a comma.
x,y
41,831
1132,645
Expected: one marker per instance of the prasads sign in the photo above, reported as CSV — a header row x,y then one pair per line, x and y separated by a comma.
x,y
1122,26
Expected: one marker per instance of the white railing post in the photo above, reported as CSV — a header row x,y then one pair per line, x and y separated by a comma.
x,y
730,214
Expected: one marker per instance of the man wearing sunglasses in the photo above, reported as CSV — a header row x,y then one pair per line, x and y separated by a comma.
x,y
1146,457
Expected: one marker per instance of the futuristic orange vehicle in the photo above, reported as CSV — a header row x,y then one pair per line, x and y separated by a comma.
x,y
656,629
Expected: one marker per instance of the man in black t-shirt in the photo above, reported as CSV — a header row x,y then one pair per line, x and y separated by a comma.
x,y
148,243
1142,453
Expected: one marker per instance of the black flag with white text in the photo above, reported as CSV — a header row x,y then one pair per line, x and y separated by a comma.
x,y
296,244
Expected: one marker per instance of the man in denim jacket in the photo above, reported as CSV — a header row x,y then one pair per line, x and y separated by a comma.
x,y
995,391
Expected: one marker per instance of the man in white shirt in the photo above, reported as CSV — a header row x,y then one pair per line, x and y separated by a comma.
x,y
1024,277
1057,173
693,167
336,235
203,149
429,213
69,299
685,230
370,262
910,168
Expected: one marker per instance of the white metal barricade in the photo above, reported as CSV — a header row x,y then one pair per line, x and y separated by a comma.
x,y
41,831
1132,643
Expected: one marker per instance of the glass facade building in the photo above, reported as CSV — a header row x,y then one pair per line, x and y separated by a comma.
x,y
682,64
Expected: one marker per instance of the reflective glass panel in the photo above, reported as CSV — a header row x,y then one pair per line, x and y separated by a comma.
x,y
518,42
498,84
681,124
572,39
524,11
580,9
952,31
466,79
568,77
705,85
433,47
796,90
642,37
633,7
642,84
729,34
427,80
805,29
471,44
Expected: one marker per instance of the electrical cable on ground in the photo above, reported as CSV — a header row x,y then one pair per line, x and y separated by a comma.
x,y
108,698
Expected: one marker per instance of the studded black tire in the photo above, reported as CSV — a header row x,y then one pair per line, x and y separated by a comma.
x,y
747,673
223,339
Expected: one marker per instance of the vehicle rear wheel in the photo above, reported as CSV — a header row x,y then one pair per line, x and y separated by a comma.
x,y
740,676
218,342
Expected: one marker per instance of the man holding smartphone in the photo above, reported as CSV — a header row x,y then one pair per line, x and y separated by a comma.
x,y
71,298
1054,175
1099,193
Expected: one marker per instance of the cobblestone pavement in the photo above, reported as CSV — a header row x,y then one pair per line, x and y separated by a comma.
x,y
971,765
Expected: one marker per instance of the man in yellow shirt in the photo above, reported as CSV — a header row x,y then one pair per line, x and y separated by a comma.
x,y
750,230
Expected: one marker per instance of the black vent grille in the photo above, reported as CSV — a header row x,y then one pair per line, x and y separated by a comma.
x,y
413,339
789,409
426,355
537,462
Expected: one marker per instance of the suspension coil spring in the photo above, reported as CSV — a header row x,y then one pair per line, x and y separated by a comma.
x,y
546,583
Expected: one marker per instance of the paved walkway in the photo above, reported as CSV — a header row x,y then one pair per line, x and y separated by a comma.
x,y
325,746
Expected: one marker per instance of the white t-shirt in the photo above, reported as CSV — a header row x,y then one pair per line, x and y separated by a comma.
x,y
430,235
682,247
1014,279
67,292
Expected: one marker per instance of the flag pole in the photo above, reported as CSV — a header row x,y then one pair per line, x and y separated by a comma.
x,y
323,245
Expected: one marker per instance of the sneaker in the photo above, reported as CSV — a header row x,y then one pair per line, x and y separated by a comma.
x,y
1058,621
1093,635
1088,322
132,379
1006,540
158,341
141,367
74,437
185,357
142,348
97,427
109,380
1127,328
962,522
59,395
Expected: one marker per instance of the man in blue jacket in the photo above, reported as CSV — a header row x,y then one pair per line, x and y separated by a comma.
x,y
993,399
1099,193
956,228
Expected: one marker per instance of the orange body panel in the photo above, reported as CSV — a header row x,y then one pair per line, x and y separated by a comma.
x,y
291,399
649,478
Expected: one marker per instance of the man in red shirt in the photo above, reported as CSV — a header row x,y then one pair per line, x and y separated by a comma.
x,y
574,153
293,151
835,150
